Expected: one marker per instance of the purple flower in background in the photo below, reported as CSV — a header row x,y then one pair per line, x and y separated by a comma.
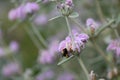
x,y
68,45
17,13
14,46
31,7
114,46
12,15
21,12
2,52
53,48
47,75
66,76
45,57
21,15
91,23
41,20
11,69
48,56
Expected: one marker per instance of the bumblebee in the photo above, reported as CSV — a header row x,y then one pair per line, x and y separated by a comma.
x,y
65,53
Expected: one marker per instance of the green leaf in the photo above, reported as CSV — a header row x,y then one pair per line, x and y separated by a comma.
x,y
55,18
74,15
65,60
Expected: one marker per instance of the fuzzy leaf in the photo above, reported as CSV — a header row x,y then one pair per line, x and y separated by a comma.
x,y
74,15
65,60
54,18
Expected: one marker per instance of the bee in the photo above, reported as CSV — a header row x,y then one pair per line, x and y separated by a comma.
x,y
65,53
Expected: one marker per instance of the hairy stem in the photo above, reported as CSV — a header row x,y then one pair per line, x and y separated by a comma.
x,y
33,38
99,10
101,53
40,37
83,67
80,26
69,30
104,27
116,33
68,26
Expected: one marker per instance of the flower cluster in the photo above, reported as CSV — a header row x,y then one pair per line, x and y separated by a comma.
x,y
114,46
11,69
92,25
41,20
48,56
21,12
66,8
66,76
68,45
14,46
47,75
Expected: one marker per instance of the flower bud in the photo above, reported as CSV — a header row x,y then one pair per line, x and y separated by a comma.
x,y
110,75
92,76
66,8
92,25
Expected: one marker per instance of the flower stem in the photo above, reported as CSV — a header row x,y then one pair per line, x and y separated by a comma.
x,y
80,26
99,10
116,33
69,30
83,67
33,38
68,26
104,27
40,37
101,53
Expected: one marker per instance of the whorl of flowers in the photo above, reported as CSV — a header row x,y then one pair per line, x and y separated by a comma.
x,y
46,75
66,76
48,56
68,45
22,11
92,25
11,69
114,46
66,7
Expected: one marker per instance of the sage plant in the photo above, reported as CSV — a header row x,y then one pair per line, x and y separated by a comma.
x,y
60,40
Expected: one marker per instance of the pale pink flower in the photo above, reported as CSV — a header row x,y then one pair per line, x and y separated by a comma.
x,y
48,56
11,69
31,7
17,13
21,12
46,75
69,2
66,76
41,20
75,44
45,57
14,46
114,46
12,15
